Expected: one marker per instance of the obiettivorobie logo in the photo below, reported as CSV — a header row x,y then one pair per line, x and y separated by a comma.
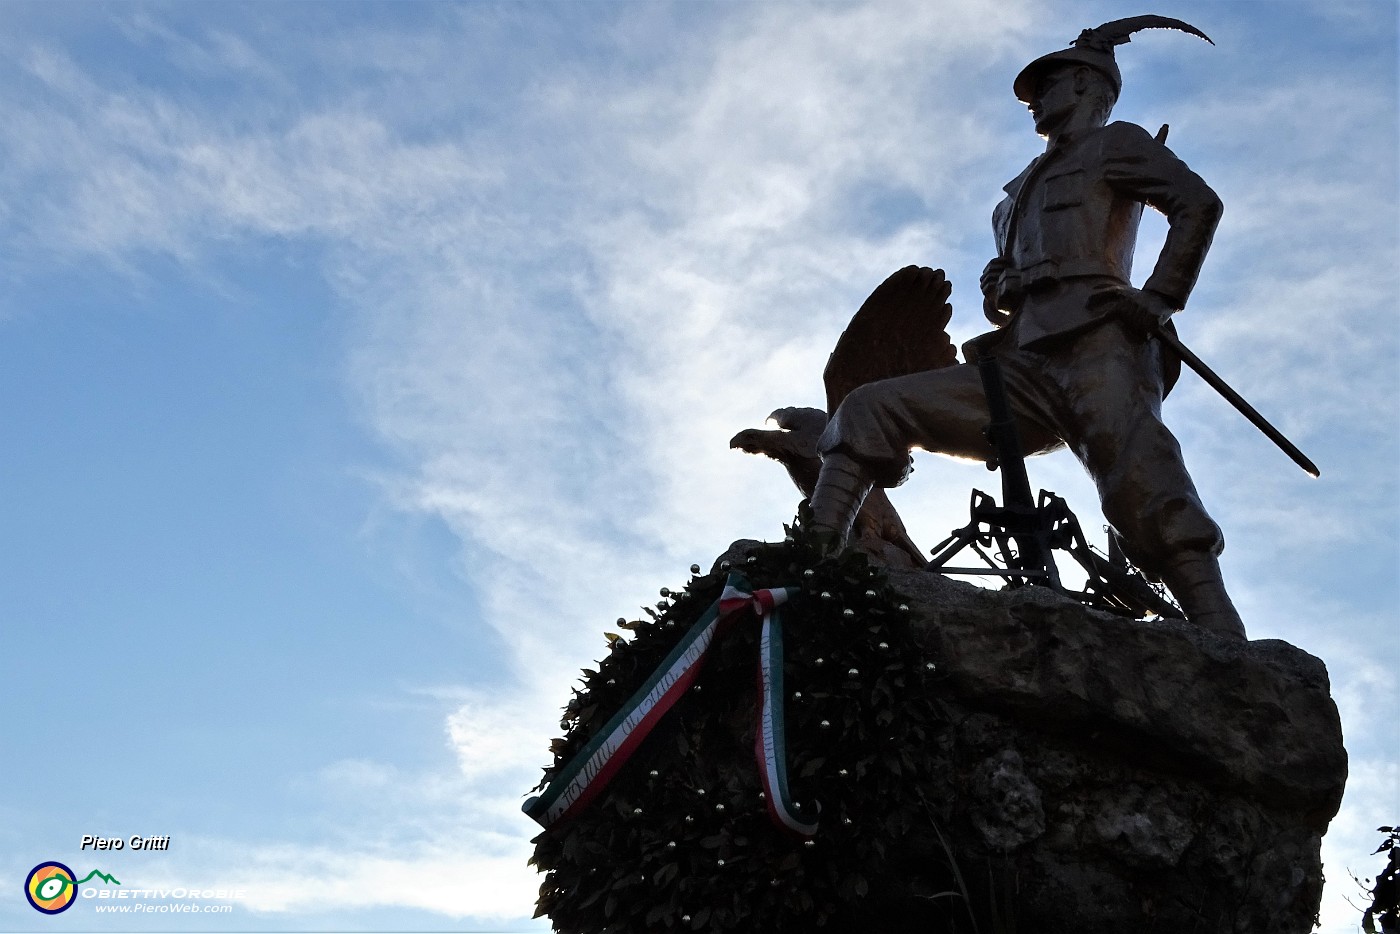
x,y
52,887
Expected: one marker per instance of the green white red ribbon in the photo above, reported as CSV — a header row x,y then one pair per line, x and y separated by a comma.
x,y
588,772
770,739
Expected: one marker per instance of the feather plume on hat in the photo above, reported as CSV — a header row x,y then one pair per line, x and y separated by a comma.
x,y
1094,48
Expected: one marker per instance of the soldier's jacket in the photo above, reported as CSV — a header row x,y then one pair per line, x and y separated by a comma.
x,y
1074,212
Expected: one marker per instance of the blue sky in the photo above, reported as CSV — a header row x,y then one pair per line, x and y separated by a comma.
x,y
360,363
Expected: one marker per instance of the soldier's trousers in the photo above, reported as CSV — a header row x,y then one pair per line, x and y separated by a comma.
x,y
1099,393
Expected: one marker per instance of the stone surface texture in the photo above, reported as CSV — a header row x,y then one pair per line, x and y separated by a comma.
x,y
1105,774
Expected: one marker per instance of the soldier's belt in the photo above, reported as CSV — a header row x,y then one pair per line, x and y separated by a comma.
x,y
1047,273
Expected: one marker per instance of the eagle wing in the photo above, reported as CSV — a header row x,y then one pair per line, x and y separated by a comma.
x,y
902,328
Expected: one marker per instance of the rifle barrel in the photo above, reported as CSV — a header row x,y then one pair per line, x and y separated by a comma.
x,y
1235,399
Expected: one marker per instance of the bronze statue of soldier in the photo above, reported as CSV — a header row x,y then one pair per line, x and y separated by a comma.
x,y
1076,343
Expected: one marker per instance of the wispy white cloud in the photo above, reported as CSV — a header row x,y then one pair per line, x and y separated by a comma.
x,y
1371,801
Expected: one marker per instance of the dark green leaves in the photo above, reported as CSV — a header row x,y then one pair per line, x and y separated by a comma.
x,y
703,855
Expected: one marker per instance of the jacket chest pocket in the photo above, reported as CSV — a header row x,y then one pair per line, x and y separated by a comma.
x,y
1065,190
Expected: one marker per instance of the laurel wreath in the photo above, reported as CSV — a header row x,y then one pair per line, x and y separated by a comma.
x,y
681,841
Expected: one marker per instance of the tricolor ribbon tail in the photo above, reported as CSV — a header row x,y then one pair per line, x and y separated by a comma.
x,y
590,770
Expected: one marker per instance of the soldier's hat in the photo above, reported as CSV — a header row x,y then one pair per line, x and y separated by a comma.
x,y
1094,48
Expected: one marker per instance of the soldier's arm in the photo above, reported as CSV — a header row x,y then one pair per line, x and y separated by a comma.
x,y
1145,170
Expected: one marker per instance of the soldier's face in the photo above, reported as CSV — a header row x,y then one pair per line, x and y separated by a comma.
x,y
1055,98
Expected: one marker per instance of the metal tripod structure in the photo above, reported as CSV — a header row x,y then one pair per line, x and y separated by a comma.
x,y
1018,540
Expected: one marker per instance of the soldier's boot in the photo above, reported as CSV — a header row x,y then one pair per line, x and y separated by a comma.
x,y
1196,583
841,488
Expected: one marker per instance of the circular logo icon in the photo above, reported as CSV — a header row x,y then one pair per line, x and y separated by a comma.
x,y
50,888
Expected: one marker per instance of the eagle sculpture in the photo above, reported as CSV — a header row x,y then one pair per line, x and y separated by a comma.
x,y
900,329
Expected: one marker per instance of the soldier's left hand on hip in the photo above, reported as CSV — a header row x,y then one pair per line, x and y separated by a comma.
x,y
1143,310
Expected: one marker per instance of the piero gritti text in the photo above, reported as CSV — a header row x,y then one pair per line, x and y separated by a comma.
x,y
135,842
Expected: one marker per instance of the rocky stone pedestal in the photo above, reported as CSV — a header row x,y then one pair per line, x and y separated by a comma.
x,y
1107,775
984,762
